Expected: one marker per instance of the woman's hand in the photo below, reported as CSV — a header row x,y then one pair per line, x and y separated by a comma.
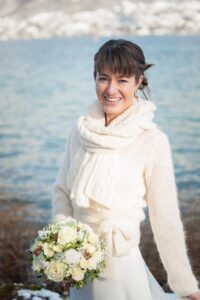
x,y
194,296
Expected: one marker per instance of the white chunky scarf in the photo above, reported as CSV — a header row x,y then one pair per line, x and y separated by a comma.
x,y
92,173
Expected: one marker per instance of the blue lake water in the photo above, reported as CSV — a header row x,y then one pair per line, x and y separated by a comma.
x,y
45,84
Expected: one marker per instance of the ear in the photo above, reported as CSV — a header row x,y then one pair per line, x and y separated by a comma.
x,y
140,81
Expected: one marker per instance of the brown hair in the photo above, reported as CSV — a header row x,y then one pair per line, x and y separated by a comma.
x,y
122,57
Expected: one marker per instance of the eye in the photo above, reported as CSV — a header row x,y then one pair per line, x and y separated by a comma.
x,y
102,79
123,81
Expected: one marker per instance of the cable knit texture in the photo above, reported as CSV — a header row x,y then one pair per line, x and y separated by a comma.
x,y
109,174
93,173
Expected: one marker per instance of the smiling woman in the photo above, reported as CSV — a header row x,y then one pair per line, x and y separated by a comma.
x,y
118,161
119,73
115,93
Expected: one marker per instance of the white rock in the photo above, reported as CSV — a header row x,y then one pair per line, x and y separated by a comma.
x,y
128,7
124,17
38,295
26,294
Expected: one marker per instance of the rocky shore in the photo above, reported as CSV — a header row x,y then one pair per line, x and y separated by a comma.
x,y
43,19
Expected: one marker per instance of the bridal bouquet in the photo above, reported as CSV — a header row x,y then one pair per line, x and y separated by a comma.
x,y
69,252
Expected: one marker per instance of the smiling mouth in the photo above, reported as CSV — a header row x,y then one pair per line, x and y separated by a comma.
x,y
112,99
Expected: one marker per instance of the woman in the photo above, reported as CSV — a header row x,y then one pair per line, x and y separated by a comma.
x,y
117,162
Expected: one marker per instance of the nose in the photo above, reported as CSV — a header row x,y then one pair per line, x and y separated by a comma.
x,y
111,88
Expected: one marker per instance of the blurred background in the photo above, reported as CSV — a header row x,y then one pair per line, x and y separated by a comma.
x,y
46,65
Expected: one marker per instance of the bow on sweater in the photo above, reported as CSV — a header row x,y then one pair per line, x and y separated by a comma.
x,y
119,236
119,228
92,173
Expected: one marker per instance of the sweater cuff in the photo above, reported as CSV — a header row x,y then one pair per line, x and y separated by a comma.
x,y
187,288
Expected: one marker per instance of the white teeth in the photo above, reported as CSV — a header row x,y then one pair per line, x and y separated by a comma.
x,y
113,99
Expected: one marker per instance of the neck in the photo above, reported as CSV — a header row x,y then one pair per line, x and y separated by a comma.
x,y
108,119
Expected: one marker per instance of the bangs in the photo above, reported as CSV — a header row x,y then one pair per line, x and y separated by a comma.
x,y
117,61
122,58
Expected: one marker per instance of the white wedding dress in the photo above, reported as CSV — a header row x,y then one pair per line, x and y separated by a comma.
x,y
132,281
131,278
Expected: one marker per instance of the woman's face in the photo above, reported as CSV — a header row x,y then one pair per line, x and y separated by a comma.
x,y
115,93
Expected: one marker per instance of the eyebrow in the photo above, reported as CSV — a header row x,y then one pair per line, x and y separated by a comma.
x,y
103,74
119,76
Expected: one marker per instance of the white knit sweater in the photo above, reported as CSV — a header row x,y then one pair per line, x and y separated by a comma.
x,y
144,177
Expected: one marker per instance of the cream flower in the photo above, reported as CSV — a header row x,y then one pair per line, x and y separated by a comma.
x,y
78,274
67,235
72,256
89,264
88,247
55,271
70,250
47,251
84,263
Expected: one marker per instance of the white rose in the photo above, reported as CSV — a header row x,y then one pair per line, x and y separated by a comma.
x,y
55,271
78,274
90,264
72,256
47,251
88,247
83,263
67,235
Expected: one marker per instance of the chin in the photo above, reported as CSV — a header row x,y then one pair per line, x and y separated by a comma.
x,y
111,110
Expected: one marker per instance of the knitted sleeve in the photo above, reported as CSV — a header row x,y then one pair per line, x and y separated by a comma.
x,y
61,203
165,218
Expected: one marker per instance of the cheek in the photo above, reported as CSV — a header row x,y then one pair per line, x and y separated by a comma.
x,y
130,91
99,89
